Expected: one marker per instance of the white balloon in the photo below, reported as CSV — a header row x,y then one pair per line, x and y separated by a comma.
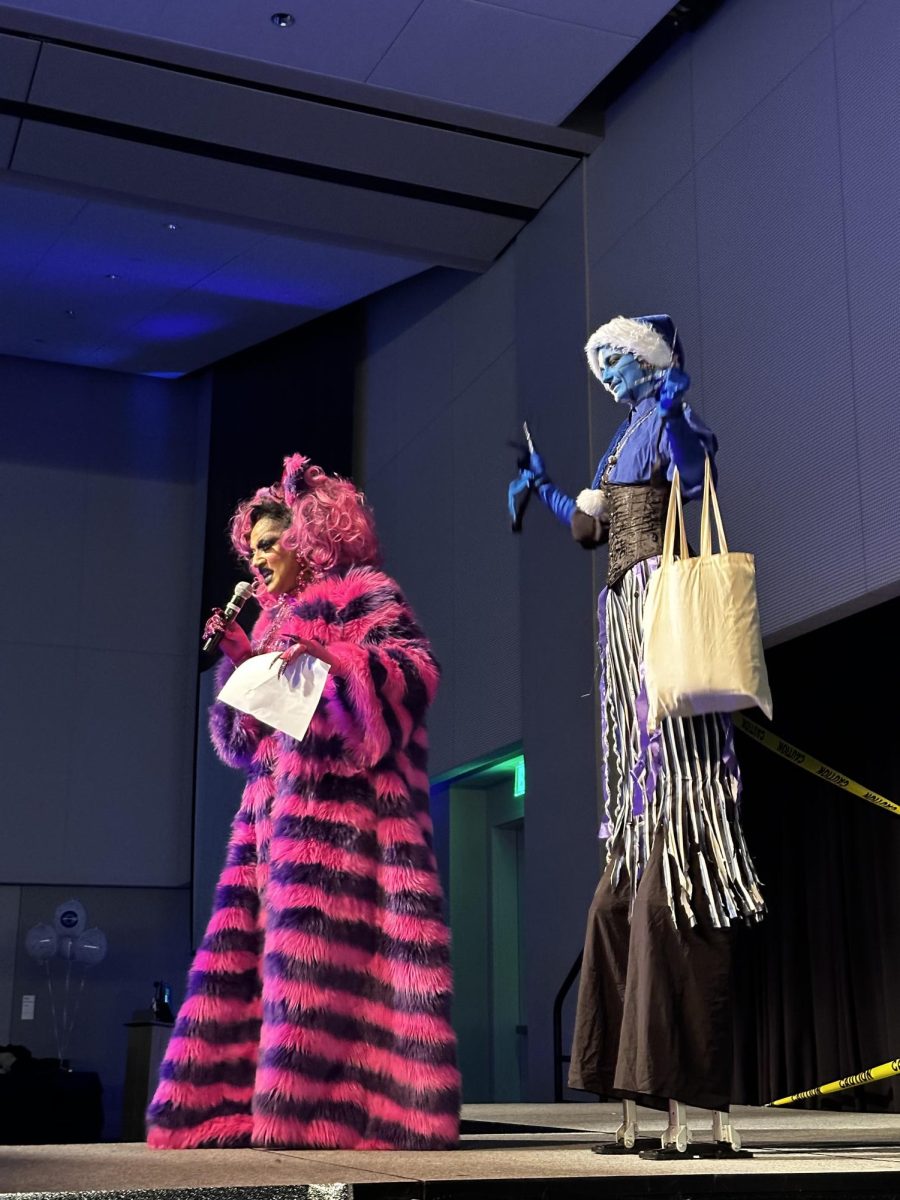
x,y
41,941
90,947
70,918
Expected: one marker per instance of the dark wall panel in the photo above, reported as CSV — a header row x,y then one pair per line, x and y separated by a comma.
x,y
99,631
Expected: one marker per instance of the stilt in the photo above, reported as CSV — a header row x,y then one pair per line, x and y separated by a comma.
x,y
627,1140
676,1141
626,1134
724,1133
677,1135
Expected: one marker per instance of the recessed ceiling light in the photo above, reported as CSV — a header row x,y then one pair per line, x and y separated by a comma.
x,y
70,312
283,20
171,225
112,275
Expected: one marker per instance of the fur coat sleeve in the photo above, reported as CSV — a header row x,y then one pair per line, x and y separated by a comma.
x,y
385,675
235,735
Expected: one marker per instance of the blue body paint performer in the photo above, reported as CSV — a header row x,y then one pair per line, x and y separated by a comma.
x,y
653,1024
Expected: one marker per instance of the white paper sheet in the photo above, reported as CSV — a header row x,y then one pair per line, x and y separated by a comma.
x,y
286,703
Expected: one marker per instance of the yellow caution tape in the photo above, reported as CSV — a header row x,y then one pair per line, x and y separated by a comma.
x,y
885,1071
801,759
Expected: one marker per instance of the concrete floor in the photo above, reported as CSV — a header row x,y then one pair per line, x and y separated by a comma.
x,y
826,1148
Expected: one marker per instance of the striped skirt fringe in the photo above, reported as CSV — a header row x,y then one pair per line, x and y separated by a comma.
x,y
681,782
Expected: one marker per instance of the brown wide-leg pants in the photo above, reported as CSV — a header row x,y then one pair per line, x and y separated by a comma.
x,y
654,1003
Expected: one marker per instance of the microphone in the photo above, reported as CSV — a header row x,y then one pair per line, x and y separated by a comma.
x,y
232,608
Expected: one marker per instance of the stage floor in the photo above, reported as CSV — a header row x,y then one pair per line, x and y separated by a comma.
x,y
522,1150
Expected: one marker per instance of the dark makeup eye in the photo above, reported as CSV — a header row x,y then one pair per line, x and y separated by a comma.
x,y
613,359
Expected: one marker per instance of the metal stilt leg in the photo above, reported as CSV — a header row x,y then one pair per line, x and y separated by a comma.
x,y
676,1141
677,1135
626,1134
724,1133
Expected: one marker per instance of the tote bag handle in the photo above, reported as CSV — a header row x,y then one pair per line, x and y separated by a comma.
x,y
710,505
674,517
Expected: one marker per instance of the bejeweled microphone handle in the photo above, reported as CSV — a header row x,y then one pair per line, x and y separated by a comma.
x,y
232,608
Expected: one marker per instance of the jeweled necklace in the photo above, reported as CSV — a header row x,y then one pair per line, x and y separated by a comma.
x,y
308,574
614,455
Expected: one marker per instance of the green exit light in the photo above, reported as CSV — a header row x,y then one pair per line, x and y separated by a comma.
x,y
519,784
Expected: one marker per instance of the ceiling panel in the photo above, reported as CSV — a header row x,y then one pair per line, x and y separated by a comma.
x,y
32,220
17,59
130,241
206,327
9,131
333,37
187,290
135,15
307,274
498,59
189,179
371,220
221,114
532,59
631,17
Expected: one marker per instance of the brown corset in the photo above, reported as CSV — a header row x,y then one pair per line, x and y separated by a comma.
x,y
637,522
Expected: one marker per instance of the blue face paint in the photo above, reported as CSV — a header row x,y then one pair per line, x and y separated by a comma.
x,y
626,378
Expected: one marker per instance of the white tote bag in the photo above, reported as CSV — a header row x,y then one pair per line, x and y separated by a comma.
x,y
702,646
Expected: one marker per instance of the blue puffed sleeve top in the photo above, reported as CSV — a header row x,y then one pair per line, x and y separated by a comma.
x,y
682,440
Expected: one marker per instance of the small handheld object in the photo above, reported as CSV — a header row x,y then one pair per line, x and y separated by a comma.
x,y
521,488
232,608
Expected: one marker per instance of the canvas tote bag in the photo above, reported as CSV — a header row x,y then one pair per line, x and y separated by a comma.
x,y
702,645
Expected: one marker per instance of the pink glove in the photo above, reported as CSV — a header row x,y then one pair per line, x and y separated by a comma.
x,y
234,643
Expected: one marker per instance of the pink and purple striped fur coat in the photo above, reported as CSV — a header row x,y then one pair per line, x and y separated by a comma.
x,y
318,1003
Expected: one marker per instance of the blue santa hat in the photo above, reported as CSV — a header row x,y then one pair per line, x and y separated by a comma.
x,y
653,339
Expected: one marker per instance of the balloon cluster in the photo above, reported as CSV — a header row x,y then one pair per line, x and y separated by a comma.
x,y
67,936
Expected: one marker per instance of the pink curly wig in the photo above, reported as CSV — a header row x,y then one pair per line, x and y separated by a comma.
x,y
327,521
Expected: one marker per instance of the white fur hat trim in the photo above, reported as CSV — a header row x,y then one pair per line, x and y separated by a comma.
x,y
591,501
637,337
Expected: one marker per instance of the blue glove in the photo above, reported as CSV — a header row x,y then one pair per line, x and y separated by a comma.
x,y
517,496
533,478
530,478
561,505
671,394
536,468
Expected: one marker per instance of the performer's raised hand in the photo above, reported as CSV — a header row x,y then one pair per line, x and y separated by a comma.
x,y
517,496
671,392
536,468
532,473
233,642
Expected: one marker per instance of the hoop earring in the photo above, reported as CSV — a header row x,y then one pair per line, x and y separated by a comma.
x,y
306,572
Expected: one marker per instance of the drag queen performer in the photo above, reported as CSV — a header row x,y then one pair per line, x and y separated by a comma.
x,y
653,1023
318,1003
